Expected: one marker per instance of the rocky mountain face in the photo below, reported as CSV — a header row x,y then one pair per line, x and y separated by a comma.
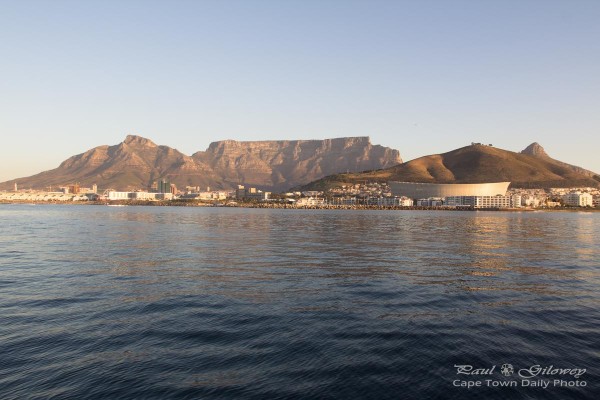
x,y
282,164
532,168
271,165
535,149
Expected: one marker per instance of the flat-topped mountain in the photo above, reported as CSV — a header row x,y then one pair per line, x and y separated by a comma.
x,y
532,168
137,162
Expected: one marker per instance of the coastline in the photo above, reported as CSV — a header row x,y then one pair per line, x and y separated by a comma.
x,y
176,203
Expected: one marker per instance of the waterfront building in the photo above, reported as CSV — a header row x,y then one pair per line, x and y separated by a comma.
x,y
243,193
530,201
311,193
164,186
515,201
479,201
41,196
206,196
430,202
578,199
391,201
114,195
310,201
142,196
440,190
348,201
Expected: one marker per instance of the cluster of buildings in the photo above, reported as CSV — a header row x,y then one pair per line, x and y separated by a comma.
x,y
391,194
367,189
166,191
160,190
581,197
476,196
251,194
43,196
555,197
62,193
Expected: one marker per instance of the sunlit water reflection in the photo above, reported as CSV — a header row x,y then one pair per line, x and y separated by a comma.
x,y
168,302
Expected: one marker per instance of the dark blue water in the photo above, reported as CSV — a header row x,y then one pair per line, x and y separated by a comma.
x,y
186,303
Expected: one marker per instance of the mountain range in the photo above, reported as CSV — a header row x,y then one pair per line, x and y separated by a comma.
x,y
477,163
137,162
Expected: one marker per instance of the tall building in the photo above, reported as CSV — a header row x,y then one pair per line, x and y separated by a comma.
x,y
164,186
74,188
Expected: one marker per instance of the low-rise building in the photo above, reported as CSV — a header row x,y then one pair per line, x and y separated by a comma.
x,y
530,201
310,202
140,196
430,202
114,195
391,201
479,201
206,196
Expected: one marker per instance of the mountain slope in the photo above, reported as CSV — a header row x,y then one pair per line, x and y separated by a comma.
x,y
531,168
535,149
274,165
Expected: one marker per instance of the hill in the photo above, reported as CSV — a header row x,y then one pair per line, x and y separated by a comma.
x,y
532,168
272,165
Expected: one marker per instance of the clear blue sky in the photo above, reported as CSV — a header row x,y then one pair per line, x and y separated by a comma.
x,y
420,76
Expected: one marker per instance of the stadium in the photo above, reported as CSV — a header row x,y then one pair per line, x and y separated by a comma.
x,y
426,190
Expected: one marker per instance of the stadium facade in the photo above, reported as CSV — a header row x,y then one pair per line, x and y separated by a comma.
x,y
426,190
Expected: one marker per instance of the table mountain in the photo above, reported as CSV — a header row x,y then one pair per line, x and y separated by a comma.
x,y
532,168
271,165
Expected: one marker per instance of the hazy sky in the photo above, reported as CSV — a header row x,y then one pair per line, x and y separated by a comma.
x,y
420,76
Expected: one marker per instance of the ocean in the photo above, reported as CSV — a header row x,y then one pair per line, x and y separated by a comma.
x,y
102,302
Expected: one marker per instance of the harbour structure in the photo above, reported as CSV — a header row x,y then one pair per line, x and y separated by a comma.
x,y
416,190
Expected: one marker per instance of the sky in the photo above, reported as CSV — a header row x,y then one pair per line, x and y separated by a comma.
x,y
423,77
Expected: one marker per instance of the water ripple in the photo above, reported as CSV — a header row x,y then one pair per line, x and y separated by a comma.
x,y
187,303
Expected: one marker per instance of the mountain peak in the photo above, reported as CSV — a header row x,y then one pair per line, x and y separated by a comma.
x,y
535,149
138,140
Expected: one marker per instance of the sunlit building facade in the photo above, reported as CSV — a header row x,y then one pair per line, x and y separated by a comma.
x,y
441,190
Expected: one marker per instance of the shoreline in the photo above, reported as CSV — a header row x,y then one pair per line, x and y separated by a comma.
x,y
175,203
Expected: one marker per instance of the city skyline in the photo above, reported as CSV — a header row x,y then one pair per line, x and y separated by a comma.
x,y
422,78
